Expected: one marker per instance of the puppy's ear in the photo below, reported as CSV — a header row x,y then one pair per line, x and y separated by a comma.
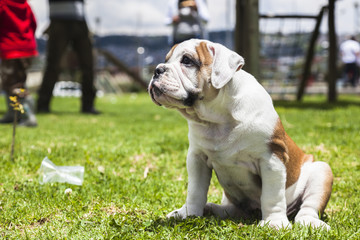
x,y
225,64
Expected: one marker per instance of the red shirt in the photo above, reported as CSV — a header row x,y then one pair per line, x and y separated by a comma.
x,y
17,30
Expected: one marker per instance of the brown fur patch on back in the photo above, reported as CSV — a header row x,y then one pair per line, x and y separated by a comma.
x,y
170,53
288,152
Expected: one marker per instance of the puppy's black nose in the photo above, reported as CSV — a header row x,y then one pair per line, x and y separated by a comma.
x,y
158,71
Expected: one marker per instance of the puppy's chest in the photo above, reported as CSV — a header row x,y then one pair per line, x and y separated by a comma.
x,y
240,151
235,158
239,175
233,163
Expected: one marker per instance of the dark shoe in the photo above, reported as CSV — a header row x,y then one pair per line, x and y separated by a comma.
x,y
7,119
42,109
91,111
42,106
27,118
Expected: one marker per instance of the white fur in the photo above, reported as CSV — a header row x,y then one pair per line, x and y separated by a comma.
x,y
230,134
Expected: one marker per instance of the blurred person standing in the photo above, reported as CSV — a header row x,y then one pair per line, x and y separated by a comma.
x,y
68,26
188,18
350,54
17,47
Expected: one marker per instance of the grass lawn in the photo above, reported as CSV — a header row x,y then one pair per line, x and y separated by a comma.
x,y
134,158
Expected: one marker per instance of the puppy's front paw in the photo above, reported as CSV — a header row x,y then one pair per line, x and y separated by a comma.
x,y
178,214
313,222
185,212
276,223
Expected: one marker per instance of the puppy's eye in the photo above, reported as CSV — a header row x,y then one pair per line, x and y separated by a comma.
x,y
186,60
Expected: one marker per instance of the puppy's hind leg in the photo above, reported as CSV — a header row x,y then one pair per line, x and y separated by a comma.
x,y
226,210
316,194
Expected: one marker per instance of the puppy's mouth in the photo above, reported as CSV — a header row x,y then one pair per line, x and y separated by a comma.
x,y
190,99
155,91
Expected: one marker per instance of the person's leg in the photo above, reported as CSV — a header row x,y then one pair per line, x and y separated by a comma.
x,y
7,75
13,73
56,46
347,73
83,48
356,75
353,74
27,118
14,78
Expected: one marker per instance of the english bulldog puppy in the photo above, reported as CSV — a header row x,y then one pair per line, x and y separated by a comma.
x,y
235,131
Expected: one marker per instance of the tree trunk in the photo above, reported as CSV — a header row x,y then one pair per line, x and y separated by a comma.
x,y
247,42
332,76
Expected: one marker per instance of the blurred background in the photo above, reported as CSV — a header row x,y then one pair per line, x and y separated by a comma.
x,y
131,38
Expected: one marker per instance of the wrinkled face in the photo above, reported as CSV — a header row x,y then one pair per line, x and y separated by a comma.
x,y
194,70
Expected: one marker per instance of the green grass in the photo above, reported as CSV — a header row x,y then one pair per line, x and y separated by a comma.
x,y
134,158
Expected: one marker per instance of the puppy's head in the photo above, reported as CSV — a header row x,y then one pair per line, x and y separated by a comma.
x,y
194,70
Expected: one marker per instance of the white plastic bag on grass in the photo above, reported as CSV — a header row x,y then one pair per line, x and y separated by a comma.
x,y
49,173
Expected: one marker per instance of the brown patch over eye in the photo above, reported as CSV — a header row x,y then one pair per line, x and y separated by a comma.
x,y
170,53
205,59
204,54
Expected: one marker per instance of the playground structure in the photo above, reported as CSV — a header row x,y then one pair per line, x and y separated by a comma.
x,y
300,61
247,37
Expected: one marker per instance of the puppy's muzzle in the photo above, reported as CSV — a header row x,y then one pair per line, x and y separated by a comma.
x,y
159,71
153,89
156,90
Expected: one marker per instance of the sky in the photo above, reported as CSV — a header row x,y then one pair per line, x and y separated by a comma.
x,y
141,17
